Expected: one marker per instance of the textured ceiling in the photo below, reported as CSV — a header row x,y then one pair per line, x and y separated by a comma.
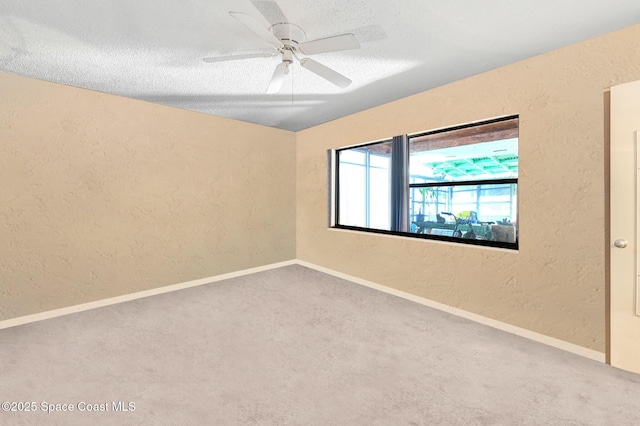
x,y
153,49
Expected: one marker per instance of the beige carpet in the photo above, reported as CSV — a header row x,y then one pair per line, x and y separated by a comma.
x,y
293,346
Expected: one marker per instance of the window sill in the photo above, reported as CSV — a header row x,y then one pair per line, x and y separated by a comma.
x,y
457,242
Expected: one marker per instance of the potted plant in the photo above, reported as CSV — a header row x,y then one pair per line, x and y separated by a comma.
x,y
428,196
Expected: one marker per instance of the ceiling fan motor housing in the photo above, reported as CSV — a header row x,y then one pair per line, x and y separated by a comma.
x,y
290,35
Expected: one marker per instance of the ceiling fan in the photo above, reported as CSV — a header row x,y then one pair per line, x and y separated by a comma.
x,y
288,40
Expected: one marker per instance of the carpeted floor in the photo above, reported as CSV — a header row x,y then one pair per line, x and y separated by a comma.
x,y
293,346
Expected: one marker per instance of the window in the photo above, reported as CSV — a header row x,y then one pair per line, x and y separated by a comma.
x,y
364,186
458,184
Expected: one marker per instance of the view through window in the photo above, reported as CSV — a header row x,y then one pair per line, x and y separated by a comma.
x,y
458,184
365,186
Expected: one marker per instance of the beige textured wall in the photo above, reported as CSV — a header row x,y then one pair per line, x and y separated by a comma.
x,y
103,196
555,284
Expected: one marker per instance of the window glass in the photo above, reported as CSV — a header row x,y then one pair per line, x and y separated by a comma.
x,y
443,166
364,186
447,211
458,184
480,161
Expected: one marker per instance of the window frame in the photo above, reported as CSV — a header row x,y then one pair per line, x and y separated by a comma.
x,y
334,193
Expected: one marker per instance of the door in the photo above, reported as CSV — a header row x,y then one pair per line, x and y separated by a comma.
x,y
625,211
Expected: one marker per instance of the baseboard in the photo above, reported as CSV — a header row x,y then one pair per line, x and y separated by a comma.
x,y
522,332
531,335
138,295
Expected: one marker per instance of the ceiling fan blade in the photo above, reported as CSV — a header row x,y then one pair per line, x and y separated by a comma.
x,y
278,77
257,29
325,72
330,44
241,56
270,10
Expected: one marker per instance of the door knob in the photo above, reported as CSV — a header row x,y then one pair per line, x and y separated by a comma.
x,y
620,243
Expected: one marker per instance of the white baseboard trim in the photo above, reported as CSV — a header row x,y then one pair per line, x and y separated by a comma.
x,y
522,332
138,295
531,335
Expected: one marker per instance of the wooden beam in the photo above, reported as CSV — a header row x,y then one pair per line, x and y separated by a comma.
x,y
500,130
382,148
507,129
